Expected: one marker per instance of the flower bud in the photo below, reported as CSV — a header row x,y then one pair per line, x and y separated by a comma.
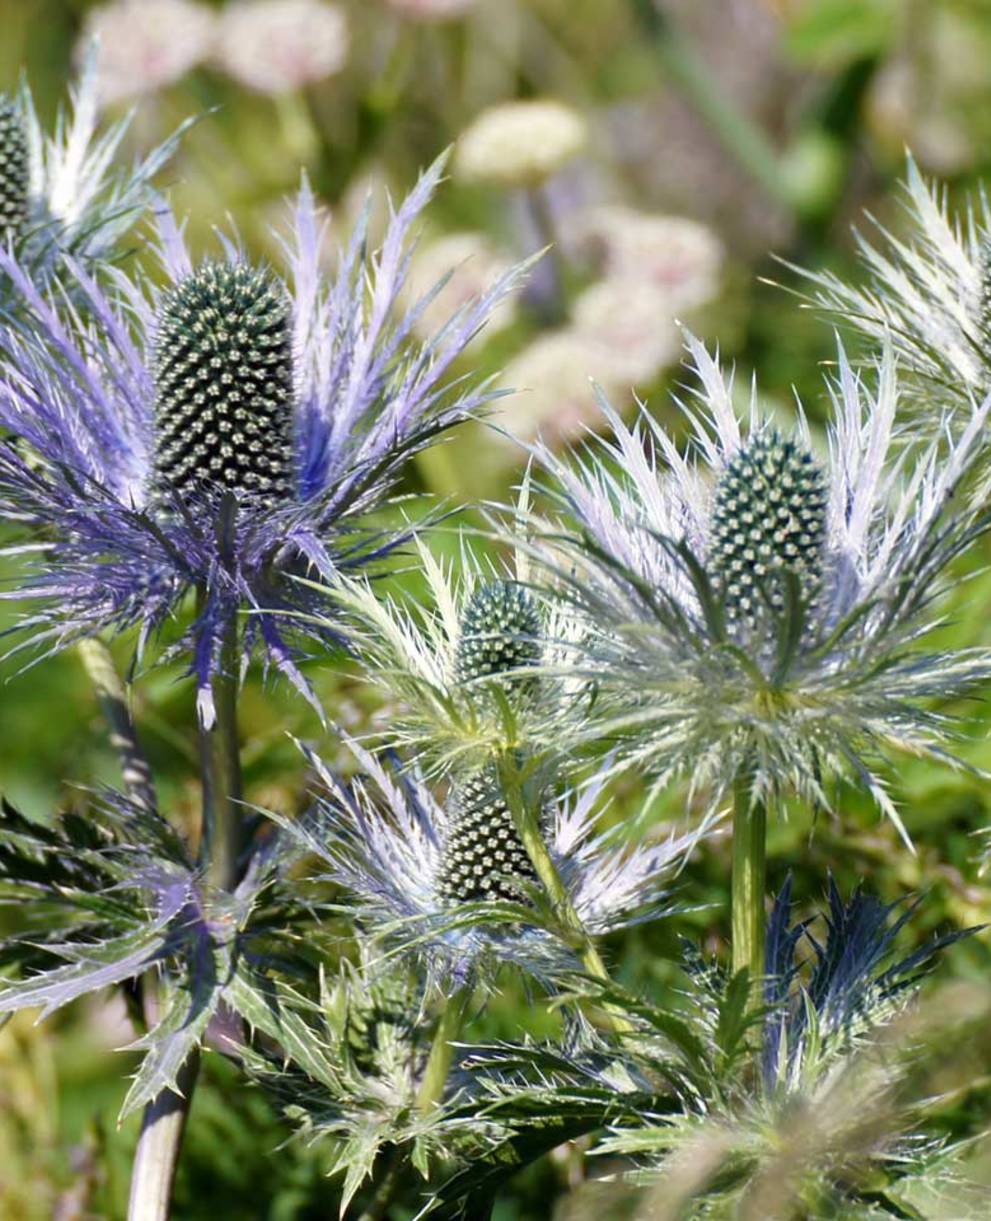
x,y
14,170
500,632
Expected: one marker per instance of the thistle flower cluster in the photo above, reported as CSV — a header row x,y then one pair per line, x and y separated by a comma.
x,y
759,609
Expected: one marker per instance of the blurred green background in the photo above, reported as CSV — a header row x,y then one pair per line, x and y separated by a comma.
x,y
719,134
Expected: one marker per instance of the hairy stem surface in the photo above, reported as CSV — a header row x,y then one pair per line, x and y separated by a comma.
x,y
749,882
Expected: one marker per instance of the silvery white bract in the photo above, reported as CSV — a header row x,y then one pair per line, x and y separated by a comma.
x,y
928,296
223,434
452,713
758,608
60,195
386,838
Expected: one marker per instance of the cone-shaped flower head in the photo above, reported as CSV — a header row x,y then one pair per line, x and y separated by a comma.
x,y
477,668
226,433
14,170
224,386
768,521
760,607
483,858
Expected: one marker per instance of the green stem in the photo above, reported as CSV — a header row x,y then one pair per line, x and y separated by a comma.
x,y
526,817
749,881
112,694
222,843
452,1018
376,1208
157,1154
223,816
740,137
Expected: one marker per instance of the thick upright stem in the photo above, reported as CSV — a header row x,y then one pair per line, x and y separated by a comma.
x,y
110,690
749,881
157,1154
223,815
452,1018
222,843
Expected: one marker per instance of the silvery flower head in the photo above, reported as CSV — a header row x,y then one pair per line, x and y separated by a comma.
x,y
449,881
60,195
222,434
758,607
477,669
928,295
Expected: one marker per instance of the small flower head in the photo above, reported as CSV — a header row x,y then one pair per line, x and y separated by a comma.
x,y
476,670
520,143
449,883
225,433
457,267
627,327
768,523
15,170
278,46
759,607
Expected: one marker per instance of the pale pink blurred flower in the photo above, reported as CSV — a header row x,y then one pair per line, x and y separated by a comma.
x,y
628,330
519,144
681,257
144,45
431,10
278,46
475,264
554,396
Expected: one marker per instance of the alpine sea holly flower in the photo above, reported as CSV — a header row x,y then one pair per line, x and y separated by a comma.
x,y
758,610
477,670
447,882
59,196
928,295
222,434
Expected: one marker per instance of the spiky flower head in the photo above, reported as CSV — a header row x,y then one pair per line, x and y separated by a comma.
x,y
926,294
224,386
768,521
391,841
674,561
476,669
307,412
14,170
60,195
484,859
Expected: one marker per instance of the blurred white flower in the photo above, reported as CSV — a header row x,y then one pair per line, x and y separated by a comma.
x,y
144,45
519,143
277,46
554,396
628,330
474,264
680,256
431,10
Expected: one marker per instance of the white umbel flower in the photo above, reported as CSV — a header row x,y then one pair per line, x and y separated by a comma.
x,y
145,45
278,46
628,327
520,143
431,10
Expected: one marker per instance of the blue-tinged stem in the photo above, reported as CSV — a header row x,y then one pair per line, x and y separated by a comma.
x,y
223,842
